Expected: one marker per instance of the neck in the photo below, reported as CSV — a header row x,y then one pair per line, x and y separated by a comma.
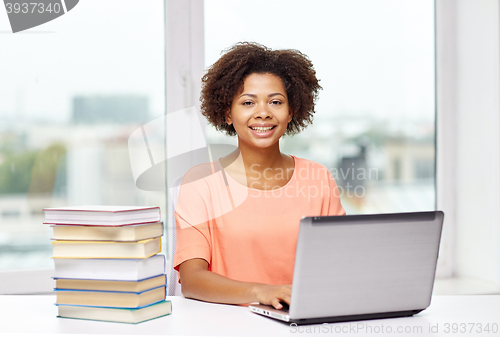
x,y
261,158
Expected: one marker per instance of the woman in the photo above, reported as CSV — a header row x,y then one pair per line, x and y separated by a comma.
x,y
237,226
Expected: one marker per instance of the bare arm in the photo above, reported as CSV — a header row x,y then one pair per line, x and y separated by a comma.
x,y
200,283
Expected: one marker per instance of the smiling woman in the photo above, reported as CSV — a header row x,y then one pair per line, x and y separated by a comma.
x,y
246,254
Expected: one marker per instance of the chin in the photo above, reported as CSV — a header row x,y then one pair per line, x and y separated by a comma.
x,y
262,145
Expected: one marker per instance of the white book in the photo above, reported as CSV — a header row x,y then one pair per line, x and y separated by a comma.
x,y
102,215
110,269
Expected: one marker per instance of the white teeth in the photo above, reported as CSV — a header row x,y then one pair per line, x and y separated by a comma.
x,y
261,128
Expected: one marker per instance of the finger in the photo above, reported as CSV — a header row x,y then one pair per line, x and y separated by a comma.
x,y
276,303
287,299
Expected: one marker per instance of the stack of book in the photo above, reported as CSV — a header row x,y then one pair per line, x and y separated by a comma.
x,y
107,265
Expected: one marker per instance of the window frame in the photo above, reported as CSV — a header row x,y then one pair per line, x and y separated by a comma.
x,y
468,99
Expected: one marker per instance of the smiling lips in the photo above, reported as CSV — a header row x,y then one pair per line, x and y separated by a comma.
x,y
262,130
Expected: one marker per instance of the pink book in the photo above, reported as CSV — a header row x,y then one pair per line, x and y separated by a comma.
x,y
102,215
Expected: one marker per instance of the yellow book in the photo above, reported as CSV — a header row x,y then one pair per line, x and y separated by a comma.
x,y
108,233
107,285
110,298
106,249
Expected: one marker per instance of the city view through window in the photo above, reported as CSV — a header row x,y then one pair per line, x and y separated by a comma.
x,y
374,126
71,93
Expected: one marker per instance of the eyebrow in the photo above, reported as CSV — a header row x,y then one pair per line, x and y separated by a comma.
x,y
270,95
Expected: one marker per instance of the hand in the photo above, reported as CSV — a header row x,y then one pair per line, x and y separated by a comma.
x,y
272,294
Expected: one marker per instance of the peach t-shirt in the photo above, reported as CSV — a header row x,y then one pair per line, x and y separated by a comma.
x,y
247,234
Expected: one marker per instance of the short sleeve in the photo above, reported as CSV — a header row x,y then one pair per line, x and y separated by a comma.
x,y
192,242
192,223
335,206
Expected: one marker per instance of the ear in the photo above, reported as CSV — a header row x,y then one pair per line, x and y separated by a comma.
x,y
228,117
290,115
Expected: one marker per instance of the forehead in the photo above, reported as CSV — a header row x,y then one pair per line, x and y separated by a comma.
x,y
257,82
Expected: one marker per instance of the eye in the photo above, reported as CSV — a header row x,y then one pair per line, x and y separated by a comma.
x,y
247,103
276,102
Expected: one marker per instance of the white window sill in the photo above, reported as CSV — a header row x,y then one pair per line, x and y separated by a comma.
x,y
24,282
465,286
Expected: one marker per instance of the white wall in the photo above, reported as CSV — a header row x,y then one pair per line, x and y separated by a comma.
x,y
468,96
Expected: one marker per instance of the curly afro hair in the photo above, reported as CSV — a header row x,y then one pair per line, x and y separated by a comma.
x,y
224,80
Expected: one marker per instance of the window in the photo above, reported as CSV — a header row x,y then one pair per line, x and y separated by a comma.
x,y
71,93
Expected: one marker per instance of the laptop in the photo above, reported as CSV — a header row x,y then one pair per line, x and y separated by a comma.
x,y
358,267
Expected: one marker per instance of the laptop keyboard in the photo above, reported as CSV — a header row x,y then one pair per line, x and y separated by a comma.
x,y
286,307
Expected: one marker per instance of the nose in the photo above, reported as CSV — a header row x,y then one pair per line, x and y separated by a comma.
x,y
263,111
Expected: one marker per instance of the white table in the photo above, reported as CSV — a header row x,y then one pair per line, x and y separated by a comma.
x,y
37,314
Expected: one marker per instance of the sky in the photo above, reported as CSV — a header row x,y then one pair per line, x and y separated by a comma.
x,y
99,47
372,56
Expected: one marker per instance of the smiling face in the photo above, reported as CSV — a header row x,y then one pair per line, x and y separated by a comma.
x,y
260,113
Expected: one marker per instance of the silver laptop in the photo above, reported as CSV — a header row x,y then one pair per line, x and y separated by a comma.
x,y
358,267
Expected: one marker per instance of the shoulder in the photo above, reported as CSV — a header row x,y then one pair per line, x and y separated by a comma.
x,y
198,181
207,174
198,173
305,165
